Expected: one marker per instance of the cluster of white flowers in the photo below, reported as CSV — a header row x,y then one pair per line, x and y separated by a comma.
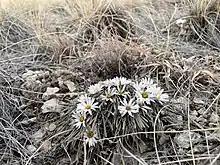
x,y
129,98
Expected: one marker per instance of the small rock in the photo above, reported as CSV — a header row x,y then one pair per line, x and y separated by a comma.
x,y
28,121
32,75
214,118
38,136
181,151
202,121
27,74
196,149
46,146
60,82
183,139
31,148
51,105
194,113
52,127
164,138
50,91
180,118
71,85
180,21
181,103
198,101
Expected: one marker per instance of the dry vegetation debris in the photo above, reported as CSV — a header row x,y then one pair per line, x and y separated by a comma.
x,y
50,55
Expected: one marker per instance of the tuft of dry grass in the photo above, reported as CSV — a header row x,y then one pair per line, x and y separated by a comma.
x,y
202,8
205,21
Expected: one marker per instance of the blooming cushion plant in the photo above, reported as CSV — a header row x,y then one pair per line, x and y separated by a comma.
x,y
116,107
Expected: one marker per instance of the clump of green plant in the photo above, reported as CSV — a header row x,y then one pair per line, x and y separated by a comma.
x,y
116,107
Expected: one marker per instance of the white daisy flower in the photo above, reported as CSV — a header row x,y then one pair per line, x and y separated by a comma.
x,y
144,83
119,81
128,107
121,91
108,94
90,138
82,98
79,120
93,89
158,94
107,83
138,86
87,105
147,82
144,96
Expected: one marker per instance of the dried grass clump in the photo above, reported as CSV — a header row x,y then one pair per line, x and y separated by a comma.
x,y
38,13
13,137
205,20
108,22
73,26
26,5
112,57
14,33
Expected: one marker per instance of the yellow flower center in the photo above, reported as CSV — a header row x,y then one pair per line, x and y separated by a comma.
x,y
88,107
108,95
158,97
128,108
81,119
90,134
144,95
121,92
